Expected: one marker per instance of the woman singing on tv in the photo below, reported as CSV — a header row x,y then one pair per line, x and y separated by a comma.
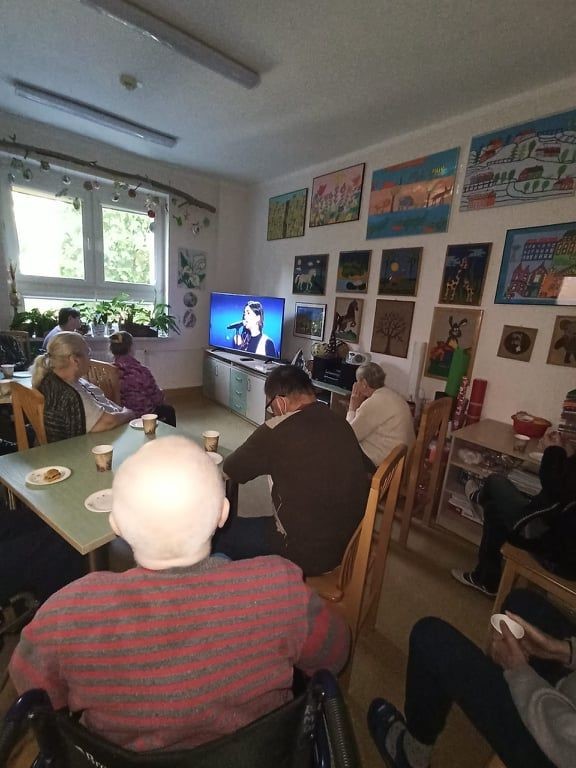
x,y
251,338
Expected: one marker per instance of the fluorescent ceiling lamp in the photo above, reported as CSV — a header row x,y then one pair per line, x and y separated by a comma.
x,y
79,109
163,32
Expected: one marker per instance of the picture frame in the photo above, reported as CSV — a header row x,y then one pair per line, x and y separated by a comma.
x,y
337,196
309,276
517,343
392,327
538,266
287,215
353,271
348,318
464,275
309,321
452,327
399,272
562,350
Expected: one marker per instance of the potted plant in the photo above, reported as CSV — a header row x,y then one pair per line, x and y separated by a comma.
x,y
35,322
98,314
162,320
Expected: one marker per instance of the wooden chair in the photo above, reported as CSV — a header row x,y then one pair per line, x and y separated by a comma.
x,y
423,472
105,376
495,762
354,587
28,404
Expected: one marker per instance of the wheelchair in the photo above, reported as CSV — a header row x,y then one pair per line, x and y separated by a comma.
x,y
311,731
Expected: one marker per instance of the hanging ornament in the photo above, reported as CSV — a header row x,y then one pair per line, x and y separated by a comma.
x,y
132,193
11,178
16,163
66,180
96,184
44,165
88,186
76,203
206,221
195,228
115,197
27,174
152,214
123,185
178,220
151,227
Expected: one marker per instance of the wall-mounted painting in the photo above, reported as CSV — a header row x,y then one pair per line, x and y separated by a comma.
x,y
348,319
392,327
517,343
563,345
399,271
413,198
287,215
336,196
353,272
309,275
464,274
524,163
309,321
452,328
538,266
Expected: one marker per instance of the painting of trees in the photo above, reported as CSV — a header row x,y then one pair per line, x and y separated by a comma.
x,y
392,327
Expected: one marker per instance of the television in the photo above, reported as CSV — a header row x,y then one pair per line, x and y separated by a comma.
x,y
247,323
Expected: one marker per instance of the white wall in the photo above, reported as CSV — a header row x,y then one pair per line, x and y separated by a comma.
x,y
535,386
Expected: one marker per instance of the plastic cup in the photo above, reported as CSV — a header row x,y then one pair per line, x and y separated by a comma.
x,y
7,370
520,443
517,629
149,422
103,457
211,438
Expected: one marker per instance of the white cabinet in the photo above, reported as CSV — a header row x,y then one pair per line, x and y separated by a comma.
x,y
255,399
216,383
235,385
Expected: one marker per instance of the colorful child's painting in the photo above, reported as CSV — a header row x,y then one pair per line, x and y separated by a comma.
x,y
413,198
452,328
399,271
336,196
287,215
532,161
353,272
538,266
348,319
309,275
464,274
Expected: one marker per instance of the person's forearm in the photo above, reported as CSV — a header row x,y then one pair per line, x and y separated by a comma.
x,y
112,420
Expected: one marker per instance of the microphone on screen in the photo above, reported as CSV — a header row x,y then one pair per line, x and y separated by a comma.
x,y
235,326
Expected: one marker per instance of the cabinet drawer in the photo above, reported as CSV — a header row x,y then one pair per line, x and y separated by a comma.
x,y
238,402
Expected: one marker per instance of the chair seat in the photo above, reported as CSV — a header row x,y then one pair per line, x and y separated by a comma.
x,y
327,585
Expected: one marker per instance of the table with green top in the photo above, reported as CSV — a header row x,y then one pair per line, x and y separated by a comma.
x,y
61,505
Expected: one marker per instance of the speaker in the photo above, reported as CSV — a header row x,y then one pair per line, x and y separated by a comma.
x,y
347,376
358,358
322,364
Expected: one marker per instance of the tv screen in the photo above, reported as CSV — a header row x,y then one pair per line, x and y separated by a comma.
x,y
247,323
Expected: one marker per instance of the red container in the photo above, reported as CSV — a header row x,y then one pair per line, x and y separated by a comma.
x,y
534,428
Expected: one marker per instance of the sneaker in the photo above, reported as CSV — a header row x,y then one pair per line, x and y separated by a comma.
x,y
382,716
466,578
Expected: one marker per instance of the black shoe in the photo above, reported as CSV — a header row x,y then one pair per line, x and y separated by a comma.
x,y
466,578
382,715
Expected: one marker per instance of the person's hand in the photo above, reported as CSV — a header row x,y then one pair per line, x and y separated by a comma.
x,y
505,650
356,398
551,437
539,644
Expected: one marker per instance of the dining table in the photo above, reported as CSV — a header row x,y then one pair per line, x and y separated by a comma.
x,y
61,504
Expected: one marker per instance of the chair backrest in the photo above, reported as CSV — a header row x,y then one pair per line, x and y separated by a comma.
x,y
28,404
105,376
423,474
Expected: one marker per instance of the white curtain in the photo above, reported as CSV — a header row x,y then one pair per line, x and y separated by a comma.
x,y
8,243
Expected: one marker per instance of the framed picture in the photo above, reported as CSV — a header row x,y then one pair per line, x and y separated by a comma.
x,y
336,196
392,327
287,215
310,274
412,198
353,272
399,271
348,319
464,274
538,266
517,342
521,164
563,344
452,328
309,321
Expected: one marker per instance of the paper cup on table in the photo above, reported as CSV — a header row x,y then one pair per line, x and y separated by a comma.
x,y
500,618
520,443
7,370
211,438
103,457
149,422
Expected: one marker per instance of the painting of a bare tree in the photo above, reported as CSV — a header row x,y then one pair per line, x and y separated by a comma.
x,y
392,327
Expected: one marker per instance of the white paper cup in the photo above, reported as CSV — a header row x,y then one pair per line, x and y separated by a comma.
x,y
7,370
516,629
211,438
149,422
103,457
520,443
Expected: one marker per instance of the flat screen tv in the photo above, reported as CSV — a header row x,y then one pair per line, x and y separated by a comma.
x,y
247,323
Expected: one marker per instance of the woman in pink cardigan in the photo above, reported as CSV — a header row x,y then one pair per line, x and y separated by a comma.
x,y
138,388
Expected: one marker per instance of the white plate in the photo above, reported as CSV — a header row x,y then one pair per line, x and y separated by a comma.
x,y
22,375
36,477
469,456
216,458
536,456
137,424
101,501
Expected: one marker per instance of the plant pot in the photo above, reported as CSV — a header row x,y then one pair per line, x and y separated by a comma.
x,y
139,331
98,330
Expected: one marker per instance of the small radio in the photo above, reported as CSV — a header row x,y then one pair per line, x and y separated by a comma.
x,y
358,358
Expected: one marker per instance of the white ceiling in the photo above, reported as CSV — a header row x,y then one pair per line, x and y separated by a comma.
x,y
336,75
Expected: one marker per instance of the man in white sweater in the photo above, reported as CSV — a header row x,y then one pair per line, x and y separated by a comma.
x,y
381,418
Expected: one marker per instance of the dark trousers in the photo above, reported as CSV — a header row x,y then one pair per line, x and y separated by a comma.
x,y
167,414
444,667
244,537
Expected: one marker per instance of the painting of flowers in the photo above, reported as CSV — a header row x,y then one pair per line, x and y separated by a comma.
x,y
191,268
287,214
336,196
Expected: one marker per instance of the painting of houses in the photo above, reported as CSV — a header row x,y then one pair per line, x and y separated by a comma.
x,y
336,196
412,198
533,161
538,266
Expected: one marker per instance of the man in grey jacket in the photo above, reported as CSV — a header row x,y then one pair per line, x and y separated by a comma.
x,y
521,697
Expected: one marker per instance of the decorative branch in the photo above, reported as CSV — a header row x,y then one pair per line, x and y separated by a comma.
x,y
15,147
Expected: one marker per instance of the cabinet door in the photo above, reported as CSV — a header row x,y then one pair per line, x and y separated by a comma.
x,y
255,399
238,390
222,382
208,378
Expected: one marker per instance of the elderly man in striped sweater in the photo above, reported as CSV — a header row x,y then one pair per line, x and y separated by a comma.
x,y
185,647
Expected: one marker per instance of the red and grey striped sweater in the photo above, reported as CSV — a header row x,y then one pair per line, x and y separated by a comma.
x,y
171,659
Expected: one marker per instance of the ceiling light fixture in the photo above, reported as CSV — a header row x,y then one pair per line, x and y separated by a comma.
x,y
79,109
163,32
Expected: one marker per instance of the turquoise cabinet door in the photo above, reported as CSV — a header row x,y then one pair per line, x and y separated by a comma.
x,y
238,389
